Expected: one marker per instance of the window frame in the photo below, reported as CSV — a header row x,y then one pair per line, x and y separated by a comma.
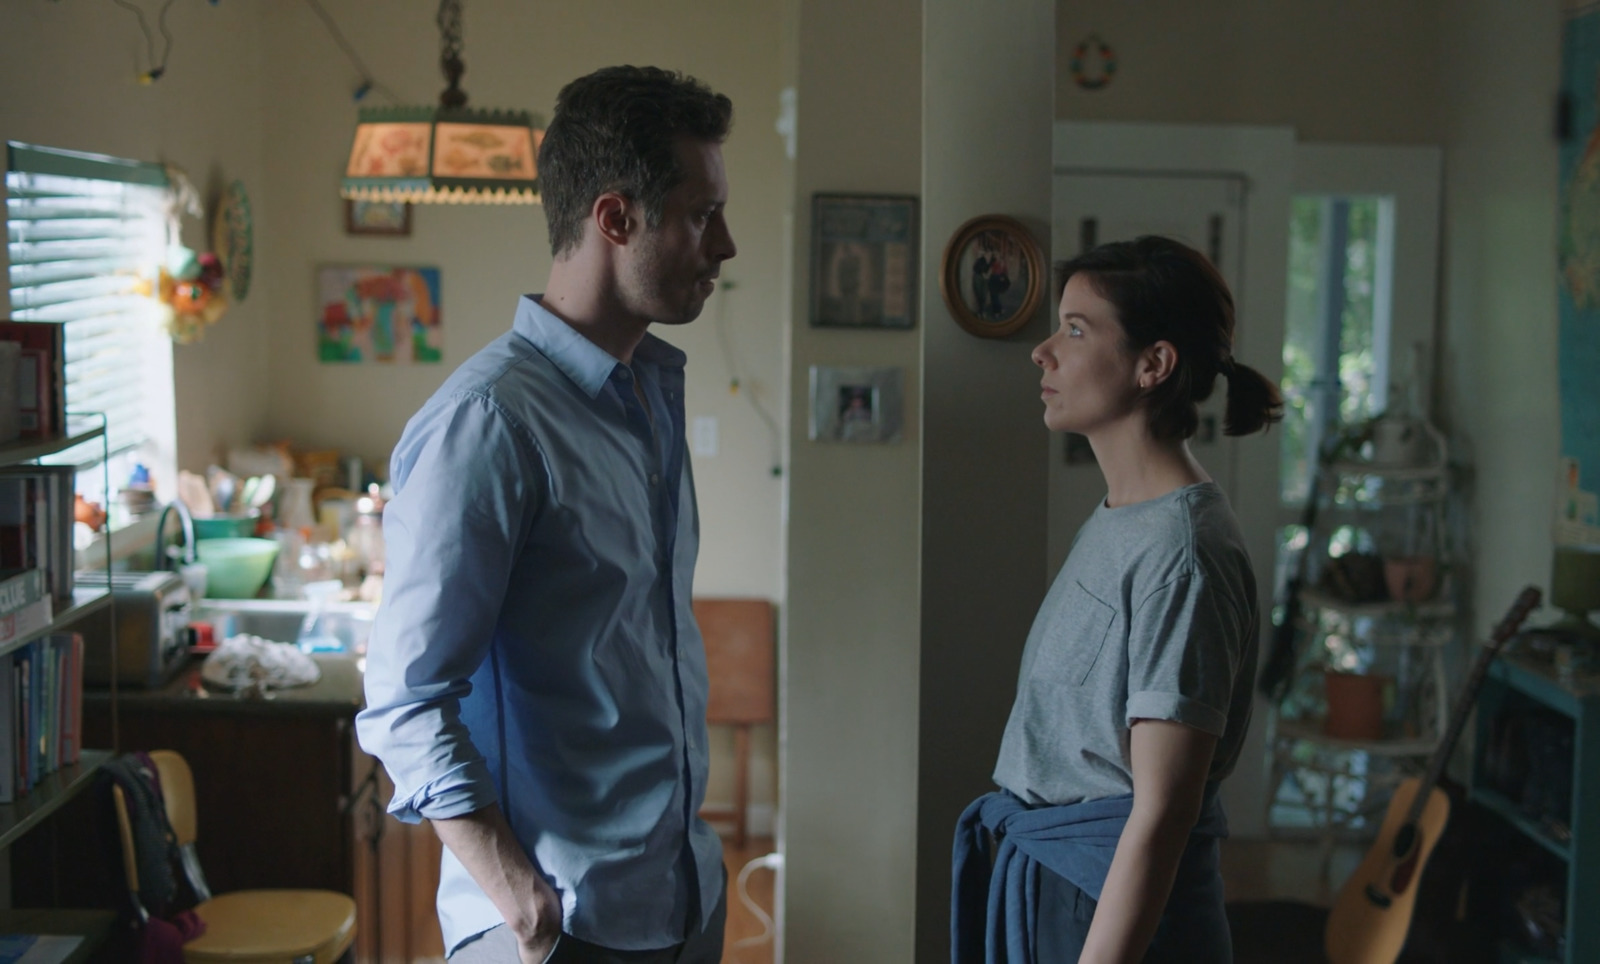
x,y
149,350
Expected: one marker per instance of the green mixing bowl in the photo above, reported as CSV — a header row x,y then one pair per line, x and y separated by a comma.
x,y
236,568
226,526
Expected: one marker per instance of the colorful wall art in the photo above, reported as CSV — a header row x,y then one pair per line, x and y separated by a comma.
x,y
369,313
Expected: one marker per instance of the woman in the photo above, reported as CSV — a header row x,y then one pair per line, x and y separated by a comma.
x,y
1134,693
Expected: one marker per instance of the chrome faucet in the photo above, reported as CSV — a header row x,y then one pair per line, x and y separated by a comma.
x,y
186,522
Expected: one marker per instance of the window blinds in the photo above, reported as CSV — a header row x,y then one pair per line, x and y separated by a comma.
x,y
85,235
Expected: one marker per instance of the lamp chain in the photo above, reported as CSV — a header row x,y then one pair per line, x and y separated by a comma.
x,y
450,62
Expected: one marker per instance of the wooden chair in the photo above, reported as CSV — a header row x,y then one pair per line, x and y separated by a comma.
x,y
741,662
250,926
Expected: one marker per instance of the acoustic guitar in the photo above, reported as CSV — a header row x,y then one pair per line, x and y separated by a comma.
x,y
1371,917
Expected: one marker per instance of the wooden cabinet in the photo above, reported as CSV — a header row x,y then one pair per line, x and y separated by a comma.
x,y
396,877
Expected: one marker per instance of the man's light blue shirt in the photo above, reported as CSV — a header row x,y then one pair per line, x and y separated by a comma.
x,y
536,647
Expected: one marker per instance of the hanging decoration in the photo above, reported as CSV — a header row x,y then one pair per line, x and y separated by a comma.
x,y
192,286
446,154
1094,63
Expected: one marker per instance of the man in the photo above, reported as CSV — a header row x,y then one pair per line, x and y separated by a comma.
x,y
536,684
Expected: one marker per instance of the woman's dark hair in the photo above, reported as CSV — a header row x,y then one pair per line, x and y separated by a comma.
x,y
1166,291
617,129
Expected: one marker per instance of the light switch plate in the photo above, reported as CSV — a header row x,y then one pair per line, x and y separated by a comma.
x,y
704,436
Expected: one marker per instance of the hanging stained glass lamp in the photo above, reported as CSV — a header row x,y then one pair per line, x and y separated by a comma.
x,y
448,154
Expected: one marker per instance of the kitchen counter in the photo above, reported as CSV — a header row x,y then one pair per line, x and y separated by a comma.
x,y
337,693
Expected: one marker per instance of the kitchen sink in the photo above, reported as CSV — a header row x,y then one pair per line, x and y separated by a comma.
x,y
280,620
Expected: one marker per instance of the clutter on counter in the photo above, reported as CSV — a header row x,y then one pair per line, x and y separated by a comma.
x,y
244,662
322,511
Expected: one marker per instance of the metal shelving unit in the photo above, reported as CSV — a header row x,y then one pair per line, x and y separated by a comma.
x,y
1335,786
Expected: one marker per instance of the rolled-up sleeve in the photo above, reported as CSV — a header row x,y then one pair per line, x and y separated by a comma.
x,y
1183,652
467,485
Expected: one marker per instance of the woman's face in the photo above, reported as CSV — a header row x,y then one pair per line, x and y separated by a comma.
x,y
1090,381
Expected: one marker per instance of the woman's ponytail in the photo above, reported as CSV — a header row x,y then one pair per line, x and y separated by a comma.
x,y
1253,402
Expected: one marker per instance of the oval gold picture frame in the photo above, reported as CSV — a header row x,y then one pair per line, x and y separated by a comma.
x,y
977,276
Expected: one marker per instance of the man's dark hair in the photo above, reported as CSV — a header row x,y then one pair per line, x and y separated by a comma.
x,y
617,129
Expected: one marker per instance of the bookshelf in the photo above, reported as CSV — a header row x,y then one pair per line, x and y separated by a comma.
x,y
27,450
91,926
1519,684
84,601
55,789
18,817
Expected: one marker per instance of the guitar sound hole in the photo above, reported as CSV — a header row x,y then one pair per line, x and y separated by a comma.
x,y
1404,839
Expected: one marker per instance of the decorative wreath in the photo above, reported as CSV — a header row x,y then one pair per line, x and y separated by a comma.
x,y
1082,61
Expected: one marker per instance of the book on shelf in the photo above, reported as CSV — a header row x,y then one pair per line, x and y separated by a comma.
x,y
41,376
41,711
26,604
37,948
10,412
36,524
71,740
10,714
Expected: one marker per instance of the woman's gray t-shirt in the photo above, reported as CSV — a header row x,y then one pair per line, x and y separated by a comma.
x,y
1153,616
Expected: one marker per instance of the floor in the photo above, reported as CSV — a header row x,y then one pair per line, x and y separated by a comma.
x,y
1286,870
748,938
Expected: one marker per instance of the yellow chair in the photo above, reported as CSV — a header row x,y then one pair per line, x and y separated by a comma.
x,y
251,926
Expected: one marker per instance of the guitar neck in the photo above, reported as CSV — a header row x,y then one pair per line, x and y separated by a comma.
x,y
1452,733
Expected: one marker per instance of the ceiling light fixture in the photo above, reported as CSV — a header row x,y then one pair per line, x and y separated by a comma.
x,y
446,154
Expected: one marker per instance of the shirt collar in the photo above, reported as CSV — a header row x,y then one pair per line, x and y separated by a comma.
x,y
587,364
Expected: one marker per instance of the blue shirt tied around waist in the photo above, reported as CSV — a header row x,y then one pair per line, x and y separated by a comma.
x,y
995,893
536,645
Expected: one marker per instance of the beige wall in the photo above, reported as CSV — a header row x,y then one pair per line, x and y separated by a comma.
x,y
851,630
67,72
1362,71
985,448
1500,322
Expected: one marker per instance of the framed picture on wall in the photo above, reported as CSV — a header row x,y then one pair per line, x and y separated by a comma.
x,y
860,405
863,261
992,276
391,218
379,313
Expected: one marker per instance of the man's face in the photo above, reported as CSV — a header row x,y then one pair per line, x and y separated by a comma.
x,y
676,264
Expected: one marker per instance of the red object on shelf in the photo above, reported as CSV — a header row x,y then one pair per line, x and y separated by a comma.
x,y
204,638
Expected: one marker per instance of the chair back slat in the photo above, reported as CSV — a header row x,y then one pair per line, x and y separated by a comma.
x,y
177,792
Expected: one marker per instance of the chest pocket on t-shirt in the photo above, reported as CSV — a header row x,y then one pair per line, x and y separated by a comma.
x,y
1073,642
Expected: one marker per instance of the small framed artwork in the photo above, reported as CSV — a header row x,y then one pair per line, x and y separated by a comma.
x,y
863,261
992,276
377,217
862,405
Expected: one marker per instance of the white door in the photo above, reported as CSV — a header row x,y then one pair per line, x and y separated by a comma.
x,y
1202,210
